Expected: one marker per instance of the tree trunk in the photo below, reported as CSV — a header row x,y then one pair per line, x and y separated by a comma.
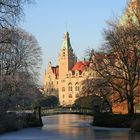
x,y
131,111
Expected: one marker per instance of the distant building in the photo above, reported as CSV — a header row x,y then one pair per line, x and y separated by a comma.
x,y
65,79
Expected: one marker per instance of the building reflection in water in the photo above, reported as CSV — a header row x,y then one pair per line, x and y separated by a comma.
x,y
78,126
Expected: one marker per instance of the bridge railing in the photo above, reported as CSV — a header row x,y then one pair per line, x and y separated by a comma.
x,y
65,111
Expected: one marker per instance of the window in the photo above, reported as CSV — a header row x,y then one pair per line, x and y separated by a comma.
x,y
63,96
77,86
63,53
76,74
70,87
63,81
70,95
63,88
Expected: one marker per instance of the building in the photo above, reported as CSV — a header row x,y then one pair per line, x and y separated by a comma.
x,y
65,79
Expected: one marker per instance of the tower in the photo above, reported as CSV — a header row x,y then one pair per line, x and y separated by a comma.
x,y
66,56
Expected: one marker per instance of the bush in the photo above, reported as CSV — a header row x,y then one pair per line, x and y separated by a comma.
x,y
49,101
112,120
88,102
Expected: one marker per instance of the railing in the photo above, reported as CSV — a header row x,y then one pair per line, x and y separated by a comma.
x,y
45,112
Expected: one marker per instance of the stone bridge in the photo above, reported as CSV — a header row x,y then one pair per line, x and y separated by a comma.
x,y
45,112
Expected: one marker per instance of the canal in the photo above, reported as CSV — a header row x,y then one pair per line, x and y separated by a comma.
x,y
70,127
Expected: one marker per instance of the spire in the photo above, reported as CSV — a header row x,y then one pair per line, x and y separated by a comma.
x,y
66,42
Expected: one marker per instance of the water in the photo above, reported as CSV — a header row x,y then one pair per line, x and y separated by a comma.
x,y
70,127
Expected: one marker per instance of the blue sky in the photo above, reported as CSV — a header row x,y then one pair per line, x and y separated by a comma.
x,y
85,20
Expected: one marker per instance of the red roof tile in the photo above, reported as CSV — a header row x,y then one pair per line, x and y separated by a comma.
x,y
80,66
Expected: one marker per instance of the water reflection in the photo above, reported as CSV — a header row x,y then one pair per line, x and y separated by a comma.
x,y
78,126
70,127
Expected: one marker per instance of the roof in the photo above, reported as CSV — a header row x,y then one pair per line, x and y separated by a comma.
x,y
66,42
80,66
55,70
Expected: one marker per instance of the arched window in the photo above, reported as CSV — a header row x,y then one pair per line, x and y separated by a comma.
x,y
77,73
77,86
77,95
70,87
63,96
70,95
63,88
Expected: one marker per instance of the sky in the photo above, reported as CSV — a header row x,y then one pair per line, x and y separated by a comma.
x,y
85,20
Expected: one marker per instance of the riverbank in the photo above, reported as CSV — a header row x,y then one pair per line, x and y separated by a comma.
x,y
117,121
70,127
14,121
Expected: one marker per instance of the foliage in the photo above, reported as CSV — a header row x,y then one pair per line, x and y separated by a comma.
x,y
88,102
49,101
98,87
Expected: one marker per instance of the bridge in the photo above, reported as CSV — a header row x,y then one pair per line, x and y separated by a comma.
x,y
46,112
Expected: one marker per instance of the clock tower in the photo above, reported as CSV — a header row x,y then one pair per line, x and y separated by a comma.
x,y
66,56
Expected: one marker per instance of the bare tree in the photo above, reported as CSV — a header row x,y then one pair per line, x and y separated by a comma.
x,y
119,63
98,87
20,62
11,12
22,54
